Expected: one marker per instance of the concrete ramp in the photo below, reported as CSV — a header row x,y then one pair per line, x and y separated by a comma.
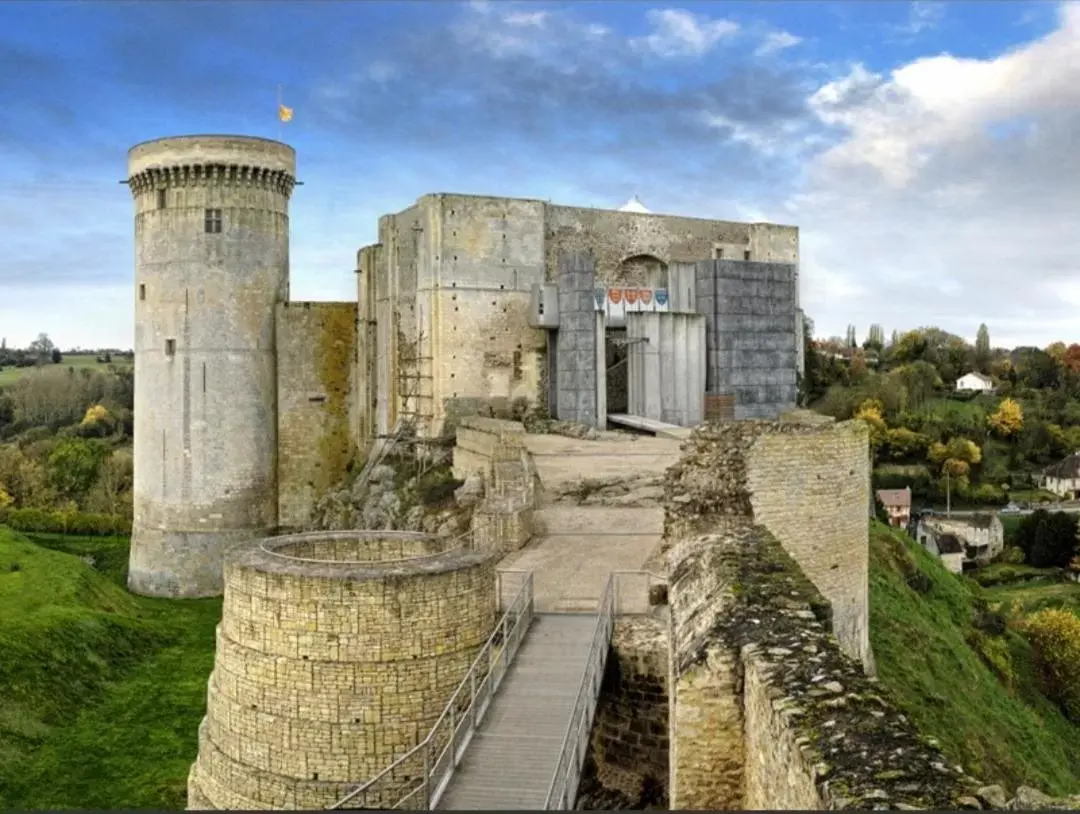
x,y
578,548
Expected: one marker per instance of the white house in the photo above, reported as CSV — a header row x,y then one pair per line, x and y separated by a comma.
x,y
980,538
1063,478
976,382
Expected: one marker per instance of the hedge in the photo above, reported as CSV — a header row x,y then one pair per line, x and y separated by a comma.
x,y
52,521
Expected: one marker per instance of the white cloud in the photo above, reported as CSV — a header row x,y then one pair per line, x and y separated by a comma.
x,y
681,33
950,195
776,41
923,15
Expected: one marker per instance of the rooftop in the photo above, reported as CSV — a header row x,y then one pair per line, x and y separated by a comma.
x,y
895,498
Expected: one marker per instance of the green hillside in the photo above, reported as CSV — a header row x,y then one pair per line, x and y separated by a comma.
x,y
941,653
101,692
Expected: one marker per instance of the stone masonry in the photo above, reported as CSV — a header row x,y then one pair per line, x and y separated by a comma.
x,y
337,652
211,263
807,483
767,711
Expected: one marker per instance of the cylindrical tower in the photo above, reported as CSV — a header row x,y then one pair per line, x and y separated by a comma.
x,y
337,653
211,262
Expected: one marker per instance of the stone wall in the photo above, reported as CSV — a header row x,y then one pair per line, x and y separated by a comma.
x,y
808,484
630,733
316,386
329,667
493,450
576,363
767,711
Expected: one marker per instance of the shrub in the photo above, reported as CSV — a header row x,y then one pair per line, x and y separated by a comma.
x,y
52,521
994,652
1055,641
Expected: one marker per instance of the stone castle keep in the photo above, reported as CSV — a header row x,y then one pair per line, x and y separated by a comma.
x,y
693,625
249,405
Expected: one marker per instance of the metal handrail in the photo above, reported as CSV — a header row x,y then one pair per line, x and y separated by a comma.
x,y
426,769
564,783
562,794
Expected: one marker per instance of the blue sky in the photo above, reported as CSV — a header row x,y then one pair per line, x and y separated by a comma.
x,y
924,149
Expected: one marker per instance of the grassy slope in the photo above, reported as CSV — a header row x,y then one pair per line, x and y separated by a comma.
x,y
920,643
9,375
101,692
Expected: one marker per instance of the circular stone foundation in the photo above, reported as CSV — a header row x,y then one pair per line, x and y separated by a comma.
x,y
336,653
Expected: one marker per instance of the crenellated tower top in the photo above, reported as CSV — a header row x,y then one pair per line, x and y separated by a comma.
x,y
211,160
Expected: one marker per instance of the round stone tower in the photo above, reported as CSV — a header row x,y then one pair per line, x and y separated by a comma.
x,y
211,263
336,654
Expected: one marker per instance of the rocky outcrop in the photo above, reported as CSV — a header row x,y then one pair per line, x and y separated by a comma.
x,y
388,500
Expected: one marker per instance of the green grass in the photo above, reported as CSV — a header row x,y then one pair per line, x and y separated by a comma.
x,y
1006,734
10,375
101,692
1027,597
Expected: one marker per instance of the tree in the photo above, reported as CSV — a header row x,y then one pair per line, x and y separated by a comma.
x,y
1054,634
870,412
1008,419
982,349
875,338
73,466
920,379
42,347
851,341
1048,539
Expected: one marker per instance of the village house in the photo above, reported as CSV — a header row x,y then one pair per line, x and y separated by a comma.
x,y
981,537
897,503
975,382
1063,478
949,549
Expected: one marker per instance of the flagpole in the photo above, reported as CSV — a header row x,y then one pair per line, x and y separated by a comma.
x,y
277,113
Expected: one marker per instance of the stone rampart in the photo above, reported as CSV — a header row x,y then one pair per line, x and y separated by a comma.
x,y
767,712
807,483
495,450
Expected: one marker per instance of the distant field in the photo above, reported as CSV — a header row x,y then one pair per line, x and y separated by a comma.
x,y
12,374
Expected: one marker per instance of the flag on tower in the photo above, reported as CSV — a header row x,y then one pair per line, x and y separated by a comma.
x,y
284,113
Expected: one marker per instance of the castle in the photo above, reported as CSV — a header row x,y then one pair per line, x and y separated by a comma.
x,y
249,405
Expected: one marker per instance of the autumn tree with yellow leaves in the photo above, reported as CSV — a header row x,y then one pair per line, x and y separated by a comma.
x,y
1008,419
1055,642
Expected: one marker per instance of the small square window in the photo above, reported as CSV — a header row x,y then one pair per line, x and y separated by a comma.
x,y
161,199
170,347
746,255
213,221
718,253
142,291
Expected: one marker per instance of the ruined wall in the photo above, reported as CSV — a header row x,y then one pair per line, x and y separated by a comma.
x,y
211,262
316,402
808,484
334,657
767,711
630,733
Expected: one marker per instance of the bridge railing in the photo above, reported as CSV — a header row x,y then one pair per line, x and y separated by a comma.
x,y
417,779
627,593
